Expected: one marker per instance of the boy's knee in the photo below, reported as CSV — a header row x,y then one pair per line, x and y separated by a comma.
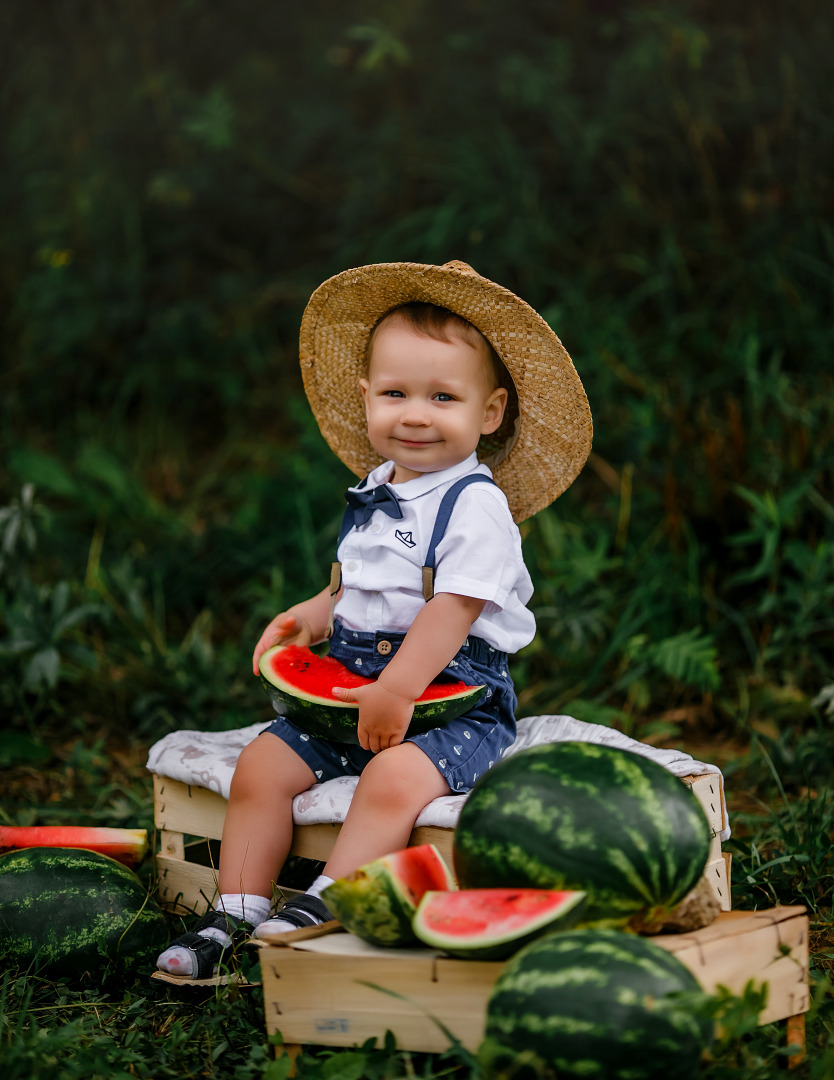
x,y
399,778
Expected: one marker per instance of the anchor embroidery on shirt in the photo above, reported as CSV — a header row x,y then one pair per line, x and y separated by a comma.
x,y
406,538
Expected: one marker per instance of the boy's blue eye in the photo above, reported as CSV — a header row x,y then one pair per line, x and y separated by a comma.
x,y
393,393
443,397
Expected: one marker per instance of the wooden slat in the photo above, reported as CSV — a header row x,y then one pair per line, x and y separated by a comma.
x,y
708,791
197,811
188,809
768,946
315,998
185,886
716,873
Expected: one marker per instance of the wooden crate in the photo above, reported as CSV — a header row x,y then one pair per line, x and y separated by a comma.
x,y
335,990
187,867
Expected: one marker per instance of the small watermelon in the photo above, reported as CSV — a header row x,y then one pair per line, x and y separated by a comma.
x,y
492,924
64,911
596,1004
575,815
377,902
300,683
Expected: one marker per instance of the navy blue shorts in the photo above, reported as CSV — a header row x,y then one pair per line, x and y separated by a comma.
x,y
462,749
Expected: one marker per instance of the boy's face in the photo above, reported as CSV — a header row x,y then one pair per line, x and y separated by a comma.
x,y
427,402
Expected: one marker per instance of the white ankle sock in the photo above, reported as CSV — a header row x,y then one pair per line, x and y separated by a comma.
x,y
177,960
319,885
248,906
276,925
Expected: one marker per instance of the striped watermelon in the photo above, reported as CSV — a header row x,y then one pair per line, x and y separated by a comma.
x,y
377,902
575,815
492,924
299,684
596,1004
64,911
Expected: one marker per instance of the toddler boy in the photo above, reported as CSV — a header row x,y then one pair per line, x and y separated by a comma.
x,y
414,373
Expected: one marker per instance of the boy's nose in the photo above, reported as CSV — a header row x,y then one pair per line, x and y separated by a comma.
x,y
414,414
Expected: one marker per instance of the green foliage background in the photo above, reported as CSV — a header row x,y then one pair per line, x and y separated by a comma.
x,y
178,177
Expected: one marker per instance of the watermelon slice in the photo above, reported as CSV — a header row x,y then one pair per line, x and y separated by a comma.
x,y
377,902
127,846
492,924
300,684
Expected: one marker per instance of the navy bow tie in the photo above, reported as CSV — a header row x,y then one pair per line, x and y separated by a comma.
x,y
363,503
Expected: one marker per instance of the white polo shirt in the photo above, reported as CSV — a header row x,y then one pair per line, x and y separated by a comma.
x,y
480,556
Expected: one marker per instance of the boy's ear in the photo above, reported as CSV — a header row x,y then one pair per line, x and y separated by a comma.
x,y
364,387
494,408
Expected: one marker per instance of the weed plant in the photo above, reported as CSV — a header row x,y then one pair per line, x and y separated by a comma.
x,y
652,177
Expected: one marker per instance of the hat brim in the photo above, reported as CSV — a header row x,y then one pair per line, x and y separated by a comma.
x,y
555,430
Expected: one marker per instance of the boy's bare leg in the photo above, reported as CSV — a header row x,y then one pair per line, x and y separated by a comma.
x,y
257,831
257,835
392,790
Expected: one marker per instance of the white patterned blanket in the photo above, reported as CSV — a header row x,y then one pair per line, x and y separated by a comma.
x,y
208,758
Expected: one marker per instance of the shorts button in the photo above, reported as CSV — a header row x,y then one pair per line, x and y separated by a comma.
x,y
383,648
352,565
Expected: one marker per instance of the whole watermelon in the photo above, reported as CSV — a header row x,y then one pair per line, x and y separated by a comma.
x,y
596,1004
576,815
64,911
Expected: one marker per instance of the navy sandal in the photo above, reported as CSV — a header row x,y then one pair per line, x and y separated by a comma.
x,y
302,911
208,953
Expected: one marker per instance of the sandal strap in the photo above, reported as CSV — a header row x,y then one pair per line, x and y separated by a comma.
x,y
207,951
219,920
303,910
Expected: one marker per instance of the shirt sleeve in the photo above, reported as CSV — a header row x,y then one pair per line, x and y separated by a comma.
x,y
480,555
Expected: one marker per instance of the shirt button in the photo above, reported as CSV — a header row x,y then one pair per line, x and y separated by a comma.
x,y
351,565
383,648
375,528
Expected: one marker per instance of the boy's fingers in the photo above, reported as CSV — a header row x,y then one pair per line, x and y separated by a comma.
x,y
343,693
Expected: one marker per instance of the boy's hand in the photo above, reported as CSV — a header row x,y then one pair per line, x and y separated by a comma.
x,y
285,629
383,716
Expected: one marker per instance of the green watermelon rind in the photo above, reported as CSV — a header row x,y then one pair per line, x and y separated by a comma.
x,y
598,1004
371,904
492,945
574,815
337,720
64,911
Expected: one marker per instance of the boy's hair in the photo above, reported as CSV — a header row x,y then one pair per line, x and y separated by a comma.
x,y
440,324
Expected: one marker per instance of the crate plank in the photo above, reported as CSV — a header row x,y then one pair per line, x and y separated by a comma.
x,y
336,1001
773,944
708,790
185,808
185,886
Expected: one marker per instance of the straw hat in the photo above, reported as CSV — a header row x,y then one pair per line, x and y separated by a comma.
x,y
547,443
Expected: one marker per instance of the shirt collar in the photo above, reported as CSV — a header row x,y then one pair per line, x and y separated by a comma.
x,y
421,485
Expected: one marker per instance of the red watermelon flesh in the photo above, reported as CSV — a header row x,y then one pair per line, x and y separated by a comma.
x,y
492,924
317,675
300,686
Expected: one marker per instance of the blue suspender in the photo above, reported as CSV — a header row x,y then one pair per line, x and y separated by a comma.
x,y
447,505
444,514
